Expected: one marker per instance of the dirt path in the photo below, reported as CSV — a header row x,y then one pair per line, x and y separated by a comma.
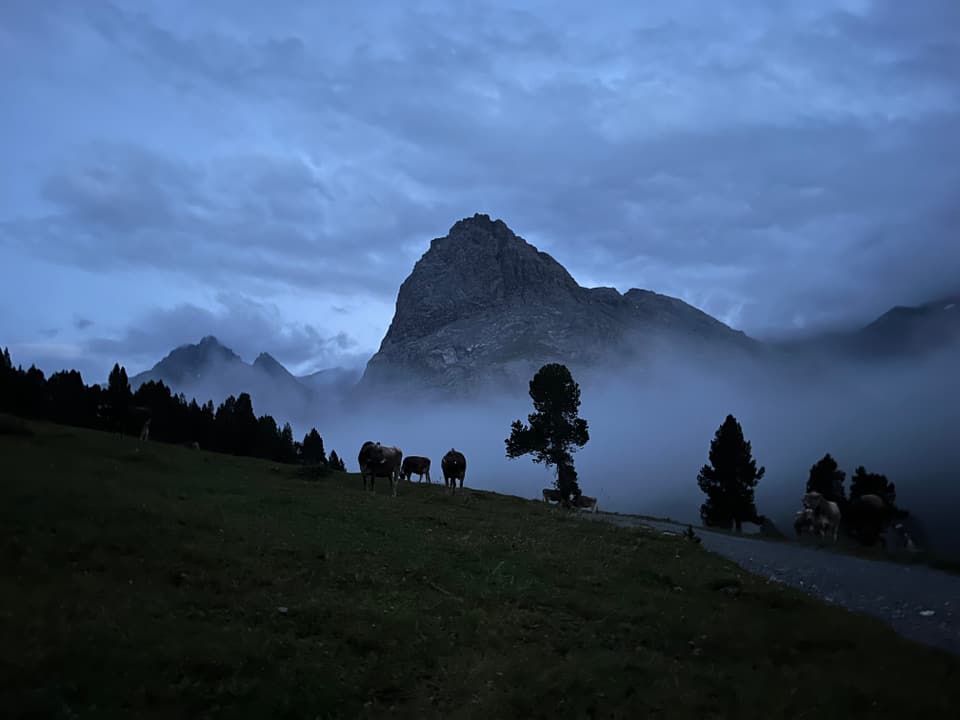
x,y
921,603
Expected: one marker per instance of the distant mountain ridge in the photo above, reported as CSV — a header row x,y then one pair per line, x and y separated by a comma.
x,y
902,334
483,308
210,370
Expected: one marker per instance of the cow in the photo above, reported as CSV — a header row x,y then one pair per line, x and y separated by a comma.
x,y
826,512
369,459
414,464
454,466
550,495
378,460
583,502
804,520
808,520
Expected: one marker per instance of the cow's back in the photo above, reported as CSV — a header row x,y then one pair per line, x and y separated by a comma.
x,y
416,464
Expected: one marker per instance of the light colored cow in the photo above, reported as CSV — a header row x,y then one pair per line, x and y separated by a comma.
x,y
827,514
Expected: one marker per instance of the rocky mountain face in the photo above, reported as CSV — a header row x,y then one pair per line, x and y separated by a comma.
x,y
211,371
903,334
484,308
909,332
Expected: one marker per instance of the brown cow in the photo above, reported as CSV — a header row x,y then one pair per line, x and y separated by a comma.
x,y
454,466
550,495
378,460
415,464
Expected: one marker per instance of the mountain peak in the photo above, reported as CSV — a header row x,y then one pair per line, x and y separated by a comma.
x,y
480,265
483,302
269,364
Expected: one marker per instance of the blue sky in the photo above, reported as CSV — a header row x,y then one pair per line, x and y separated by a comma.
x,y
270,172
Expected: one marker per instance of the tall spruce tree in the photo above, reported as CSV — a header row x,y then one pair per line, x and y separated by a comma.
x,y
729,479
313,450
555,431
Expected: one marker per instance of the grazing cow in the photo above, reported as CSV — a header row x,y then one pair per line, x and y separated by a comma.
x,y
550,495
827,514
585,503
454,466
414,464
378,460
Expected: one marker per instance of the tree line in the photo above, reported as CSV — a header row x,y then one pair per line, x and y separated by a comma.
x,y
554,432
232,427
731,476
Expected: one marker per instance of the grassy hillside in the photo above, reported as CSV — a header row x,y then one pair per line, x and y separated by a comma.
x,y
156,581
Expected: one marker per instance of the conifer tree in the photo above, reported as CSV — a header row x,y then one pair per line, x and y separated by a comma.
x,y
729,479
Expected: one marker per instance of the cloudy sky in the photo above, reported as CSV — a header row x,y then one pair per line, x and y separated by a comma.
x,y
270,172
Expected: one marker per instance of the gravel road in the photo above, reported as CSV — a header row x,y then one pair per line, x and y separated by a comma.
x,y
921,603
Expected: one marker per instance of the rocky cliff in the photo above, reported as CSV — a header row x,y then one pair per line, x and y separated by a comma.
x,y
483,308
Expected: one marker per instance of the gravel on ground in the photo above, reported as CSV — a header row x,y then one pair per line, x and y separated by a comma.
x,y
920,602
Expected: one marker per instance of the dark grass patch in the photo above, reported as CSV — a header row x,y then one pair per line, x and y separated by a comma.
x,y
176,583
10,425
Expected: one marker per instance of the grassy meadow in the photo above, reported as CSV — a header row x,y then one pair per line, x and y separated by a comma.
x,y
153,581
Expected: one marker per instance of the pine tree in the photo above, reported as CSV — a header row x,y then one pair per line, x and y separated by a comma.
x,y
313,450
827,479
287,443
555,431
729,479
336,462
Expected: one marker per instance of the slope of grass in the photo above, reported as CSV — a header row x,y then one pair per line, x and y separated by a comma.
x,y
157,581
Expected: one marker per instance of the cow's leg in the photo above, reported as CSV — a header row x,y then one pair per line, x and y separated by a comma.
x,y
429,481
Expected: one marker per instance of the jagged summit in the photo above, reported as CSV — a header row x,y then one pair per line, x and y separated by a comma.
x,y
478,266
483,304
